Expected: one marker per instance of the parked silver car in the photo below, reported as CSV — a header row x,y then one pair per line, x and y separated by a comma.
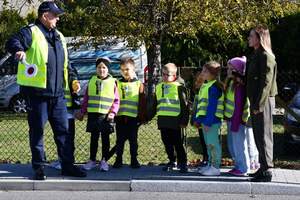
x,y
10,96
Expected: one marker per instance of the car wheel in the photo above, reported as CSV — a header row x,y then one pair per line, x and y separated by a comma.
x,y
18,104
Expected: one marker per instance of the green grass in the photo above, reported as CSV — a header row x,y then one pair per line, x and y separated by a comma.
x,y
14,143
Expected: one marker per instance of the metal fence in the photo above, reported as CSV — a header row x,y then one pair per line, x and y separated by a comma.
x,y
14,139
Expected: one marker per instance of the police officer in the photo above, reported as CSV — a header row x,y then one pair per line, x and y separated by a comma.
x,y
43,77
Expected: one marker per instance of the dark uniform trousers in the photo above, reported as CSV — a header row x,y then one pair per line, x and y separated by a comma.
x,y
52,109
126,131
263,134
172,138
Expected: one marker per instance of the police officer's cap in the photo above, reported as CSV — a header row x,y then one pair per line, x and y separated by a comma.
x,y
50,6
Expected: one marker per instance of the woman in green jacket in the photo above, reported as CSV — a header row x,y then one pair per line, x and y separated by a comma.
x,y
261,90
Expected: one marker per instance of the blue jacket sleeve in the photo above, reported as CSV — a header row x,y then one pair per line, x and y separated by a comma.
x,y
20,41
213,95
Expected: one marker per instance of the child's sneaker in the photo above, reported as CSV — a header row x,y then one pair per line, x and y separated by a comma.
x,y
103,166
118,163
182,168
89,165
135,163
202,169
203,163
236,172
55,164
231,171
169,166
211,171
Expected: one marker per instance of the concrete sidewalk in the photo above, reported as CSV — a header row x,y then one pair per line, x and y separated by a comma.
x,y
148,178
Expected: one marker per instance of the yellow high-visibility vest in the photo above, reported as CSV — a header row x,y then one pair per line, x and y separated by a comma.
x,y
203,101
168,102
229,104
38,54
101,95
129,98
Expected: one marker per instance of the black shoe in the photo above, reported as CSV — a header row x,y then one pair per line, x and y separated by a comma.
x,y
135,164
257,173
265,176
118,163
39,174
182,168
169,166
73,170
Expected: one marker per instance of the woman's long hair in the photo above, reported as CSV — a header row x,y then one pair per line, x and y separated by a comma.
x,y
263,34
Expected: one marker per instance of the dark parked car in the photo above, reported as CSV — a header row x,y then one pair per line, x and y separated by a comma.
x,y
292,126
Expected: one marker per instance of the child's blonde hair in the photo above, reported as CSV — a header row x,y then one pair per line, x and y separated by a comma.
x,y
214,68
171,68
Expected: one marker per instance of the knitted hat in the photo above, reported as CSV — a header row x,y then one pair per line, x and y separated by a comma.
x,y
238,65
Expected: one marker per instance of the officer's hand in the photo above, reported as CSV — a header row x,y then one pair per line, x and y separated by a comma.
x,y
76,86
20,55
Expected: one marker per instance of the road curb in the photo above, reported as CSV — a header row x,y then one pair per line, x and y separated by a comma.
x,y
275,189
190,186
228,187
65,185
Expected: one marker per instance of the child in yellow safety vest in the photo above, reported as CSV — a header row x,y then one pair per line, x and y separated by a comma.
x,y
171,103
131,112
209,115
101,102
240,139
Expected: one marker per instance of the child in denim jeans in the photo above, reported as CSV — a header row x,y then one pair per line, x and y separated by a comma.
x,y
237,112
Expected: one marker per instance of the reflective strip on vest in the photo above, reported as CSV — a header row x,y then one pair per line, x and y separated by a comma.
x,y
101,95
203,101
68,98
129,98
38,54
229,104
168,103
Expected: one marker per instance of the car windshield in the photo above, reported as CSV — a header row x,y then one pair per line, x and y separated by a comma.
x,y
84,69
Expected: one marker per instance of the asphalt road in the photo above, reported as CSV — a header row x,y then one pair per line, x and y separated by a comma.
x,y
66,195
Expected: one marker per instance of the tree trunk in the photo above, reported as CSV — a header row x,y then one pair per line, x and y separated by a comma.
x,y
154,64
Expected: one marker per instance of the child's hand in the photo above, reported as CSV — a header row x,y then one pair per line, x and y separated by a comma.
x,y
206,128
110,116
79,115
